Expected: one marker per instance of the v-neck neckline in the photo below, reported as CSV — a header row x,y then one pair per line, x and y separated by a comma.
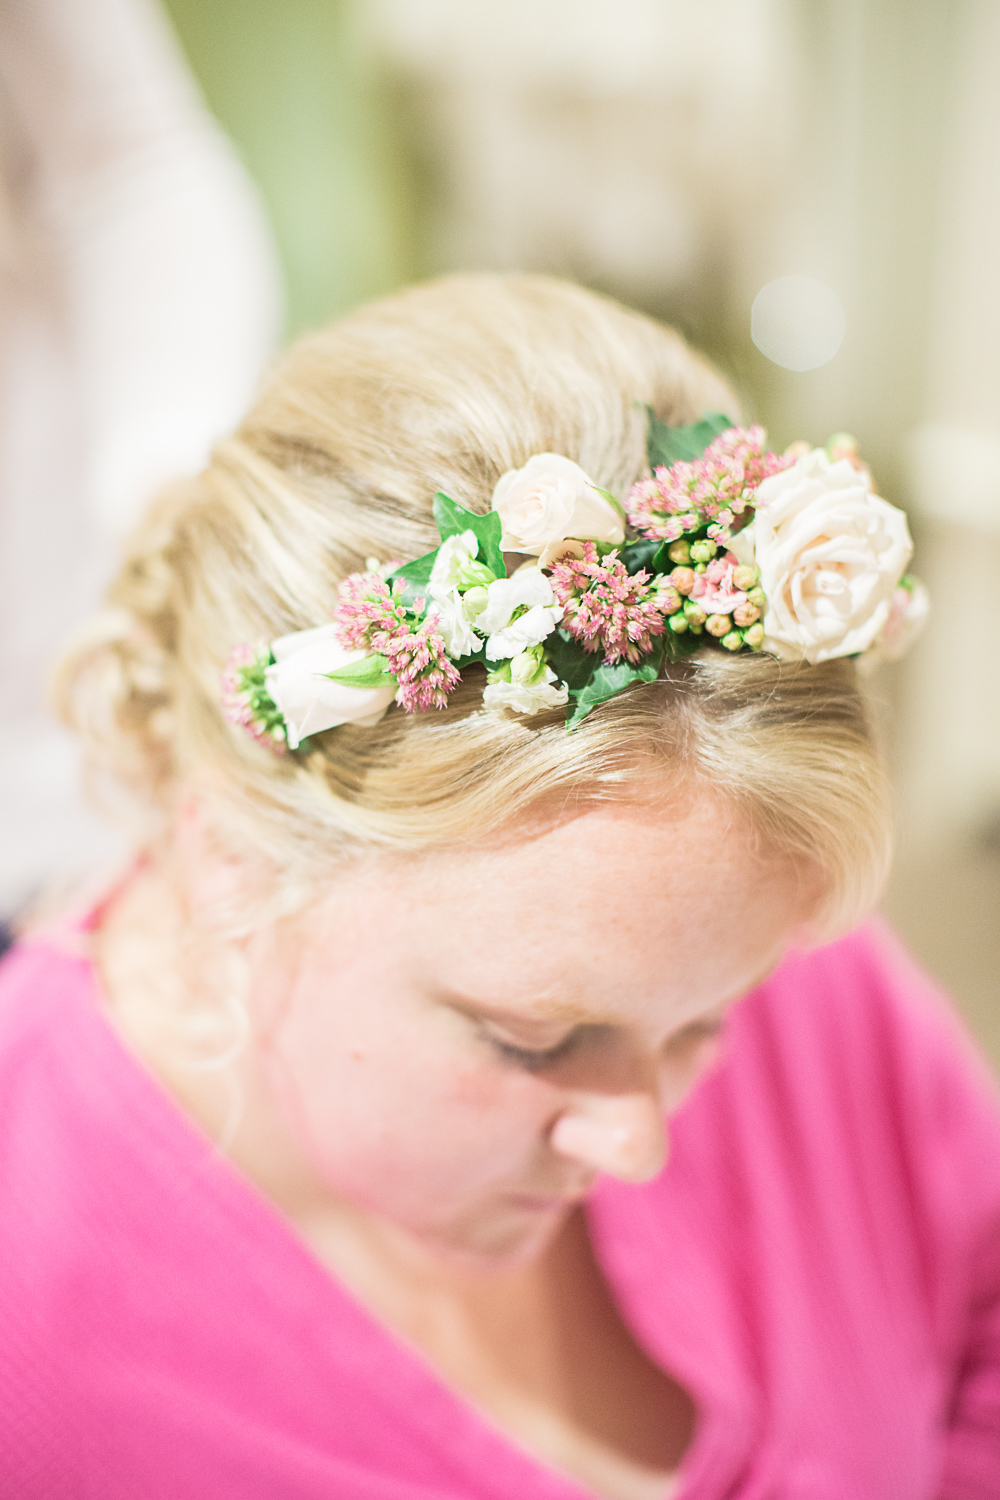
x,y
622,1227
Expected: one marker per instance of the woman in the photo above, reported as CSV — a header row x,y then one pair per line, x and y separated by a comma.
x,y
336,1138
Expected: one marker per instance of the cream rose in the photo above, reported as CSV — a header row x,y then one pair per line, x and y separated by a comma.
x,y
550,499
907,618
830,554
307,698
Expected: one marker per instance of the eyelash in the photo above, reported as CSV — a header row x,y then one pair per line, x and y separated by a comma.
x,y
529,1058
534,1060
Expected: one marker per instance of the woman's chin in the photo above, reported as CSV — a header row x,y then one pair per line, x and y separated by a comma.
x,y
514,1233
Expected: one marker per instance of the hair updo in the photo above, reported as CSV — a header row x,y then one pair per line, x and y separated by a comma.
x,y
445,387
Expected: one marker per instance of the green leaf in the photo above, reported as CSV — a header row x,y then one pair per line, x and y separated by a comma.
x,y
416,575
670,445
607,682
651,555
570,662
677,647
369,672
612,500
474,658
452,519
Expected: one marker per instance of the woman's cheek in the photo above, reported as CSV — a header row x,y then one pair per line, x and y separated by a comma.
x,y
489,1089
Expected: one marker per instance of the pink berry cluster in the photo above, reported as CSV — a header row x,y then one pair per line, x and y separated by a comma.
x,y
368,618
715,489
605,608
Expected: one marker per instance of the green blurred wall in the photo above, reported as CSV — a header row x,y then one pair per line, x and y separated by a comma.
x,y
297,86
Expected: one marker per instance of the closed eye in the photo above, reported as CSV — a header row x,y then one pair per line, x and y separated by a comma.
x,y
534,1059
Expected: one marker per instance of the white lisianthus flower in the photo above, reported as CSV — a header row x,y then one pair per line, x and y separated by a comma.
x,y
454,553
528,588
550,499
533,687
830,553
529,629
309,701
448,612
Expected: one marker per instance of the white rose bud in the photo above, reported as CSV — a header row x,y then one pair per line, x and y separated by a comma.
x,y
550,499
309,701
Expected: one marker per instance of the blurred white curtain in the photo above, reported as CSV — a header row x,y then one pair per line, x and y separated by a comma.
x,y
953,749
624,142
682,155
139,302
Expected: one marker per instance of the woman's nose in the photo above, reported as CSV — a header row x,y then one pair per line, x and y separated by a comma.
x,y
621,1134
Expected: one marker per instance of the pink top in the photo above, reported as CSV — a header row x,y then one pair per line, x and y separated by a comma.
x,y
819,1264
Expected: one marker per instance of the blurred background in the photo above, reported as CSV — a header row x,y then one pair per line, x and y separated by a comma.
x,y
809,189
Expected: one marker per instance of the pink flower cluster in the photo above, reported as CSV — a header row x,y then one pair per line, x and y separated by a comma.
x,y
715,488
606,608
369,619
245,700
715,590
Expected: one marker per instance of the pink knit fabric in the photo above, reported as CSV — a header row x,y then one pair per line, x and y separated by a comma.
x,y
819,1264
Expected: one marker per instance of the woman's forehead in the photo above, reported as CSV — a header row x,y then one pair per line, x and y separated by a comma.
x,y
584,922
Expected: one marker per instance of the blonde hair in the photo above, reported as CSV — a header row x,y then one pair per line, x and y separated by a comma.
x,y
445,387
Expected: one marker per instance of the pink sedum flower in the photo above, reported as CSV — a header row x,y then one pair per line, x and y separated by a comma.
x,y
742,449
606,608
420,663
369,618
715,488
245,700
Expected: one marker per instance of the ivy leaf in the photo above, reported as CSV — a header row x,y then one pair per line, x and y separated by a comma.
x,y
677,647
651,555
474,658
570,662
670,445
609,681
369,672
452,519
416,575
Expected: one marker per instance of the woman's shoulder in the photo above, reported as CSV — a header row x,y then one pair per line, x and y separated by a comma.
x,y
864,1011
40,976
850,1065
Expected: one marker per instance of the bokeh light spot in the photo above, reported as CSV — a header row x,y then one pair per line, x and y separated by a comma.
x,y
798,322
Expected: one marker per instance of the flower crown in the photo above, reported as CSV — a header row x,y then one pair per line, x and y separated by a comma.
x,y
731,545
